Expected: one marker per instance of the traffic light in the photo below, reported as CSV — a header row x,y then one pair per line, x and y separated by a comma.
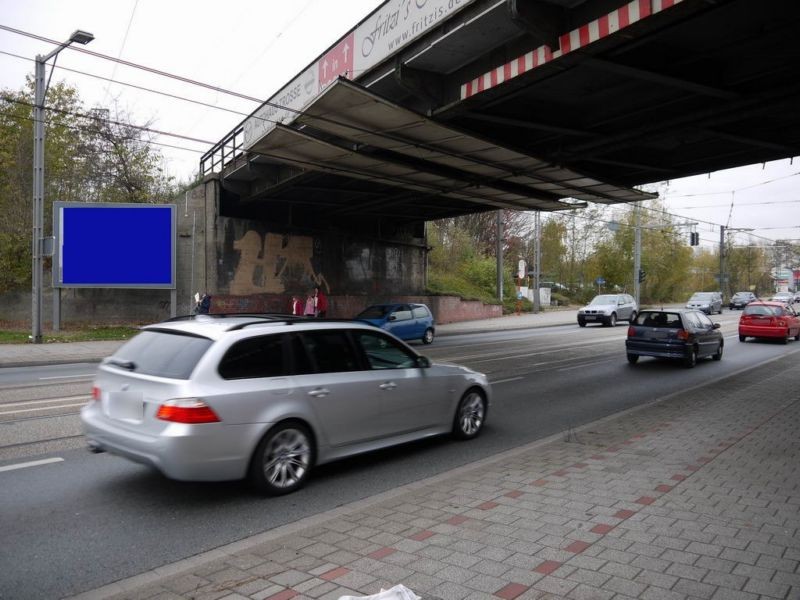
x,y
694,238
642,275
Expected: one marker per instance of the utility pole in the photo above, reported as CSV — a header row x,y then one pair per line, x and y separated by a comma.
x,y
499,254
537,262
722,259
637,252
37,241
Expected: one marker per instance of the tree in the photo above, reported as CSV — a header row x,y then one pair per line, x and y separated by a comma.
x,y
87,158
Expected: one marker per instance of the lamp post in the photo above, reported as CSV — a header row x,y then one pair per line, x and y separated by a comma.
x,y
37,241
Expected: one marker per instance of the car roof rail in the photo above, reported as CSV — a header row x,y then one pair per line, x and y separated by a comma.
x,y
214,316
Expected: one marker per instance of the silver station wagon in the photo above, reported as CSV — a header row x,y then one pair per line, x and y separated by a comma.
x,y
214,398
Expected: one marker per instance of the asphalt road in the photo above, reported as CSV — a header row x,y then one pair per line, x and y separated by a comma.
x,y
83,520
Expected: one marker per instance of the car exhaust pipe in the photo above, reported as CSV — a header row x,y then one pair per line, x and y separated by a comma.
x,y
95,448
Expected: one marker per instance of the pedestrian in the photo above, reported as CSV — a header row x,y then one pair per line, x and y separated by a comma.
x,y
297,306
320,303
309,312
204,305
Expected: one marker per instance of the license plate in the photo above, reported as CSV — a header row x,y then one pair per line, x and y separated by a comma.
x,y
590,317
128,406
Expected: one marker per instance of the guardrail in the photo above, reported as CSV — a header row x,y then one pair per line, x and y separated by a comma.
x,y
223,153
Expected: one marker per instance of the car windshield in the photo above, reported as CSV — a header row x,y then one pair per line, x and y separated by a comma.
x,y
702,296
761,309
163,354
659,319
373,312
606,299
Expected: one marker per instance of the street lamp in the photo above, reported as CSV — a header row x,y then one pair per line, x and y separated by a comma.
x,y
37,249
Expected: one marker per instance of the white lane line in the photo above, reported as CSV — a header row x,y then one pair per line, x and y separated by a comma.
x,y
44,401
25,410
66,376
33,463
506,380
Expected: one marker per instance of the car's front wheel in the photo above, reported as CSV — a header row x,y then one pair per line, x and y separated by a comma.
x,y
427,337
581,323
612,320
282,460
470,415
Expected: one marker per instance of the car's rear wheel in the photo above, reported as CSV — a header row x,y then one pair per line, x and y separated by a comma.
x,y
470,415
718,354
633,358
427,337
691,358
797,337
742,338
282,460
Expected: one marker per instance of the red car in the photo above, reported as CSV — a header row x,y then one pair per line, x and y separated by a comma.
x,y
769,320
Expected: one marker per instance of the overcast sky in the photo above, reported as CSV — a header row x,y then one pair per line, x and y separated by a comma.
x,y
255,47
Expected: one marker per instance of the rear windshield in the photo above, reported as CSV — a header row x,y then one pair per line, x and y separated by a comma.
x,y
761,309
660,319
161,354
373,312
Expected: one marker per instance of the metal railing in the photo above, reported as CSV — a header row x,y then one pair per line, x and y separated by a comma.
x,y
223,153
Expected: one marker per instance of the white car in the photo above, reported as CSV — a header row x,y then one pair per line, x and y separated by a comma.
x,y
707,302
219,397
786,297
608,309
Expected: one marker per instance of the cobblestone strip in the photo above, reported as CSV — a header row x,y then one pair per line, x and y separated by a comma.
x,y
689,498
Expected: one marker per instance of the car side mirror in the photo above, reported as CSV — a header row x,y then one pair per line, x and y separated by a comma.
x,y
423,362
716,325
392,318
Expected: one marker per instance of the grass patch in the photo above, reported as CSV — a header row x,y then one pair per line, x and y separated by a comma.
x,y
10,334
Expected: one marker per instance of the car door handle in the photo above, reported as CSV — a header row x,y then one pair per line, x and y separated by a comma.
x,y
389,385
319,393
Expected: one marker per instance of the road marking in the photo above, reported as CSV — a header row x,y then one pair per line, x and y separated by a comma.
x,y
506,380
66,376
25,410
45,400
33,463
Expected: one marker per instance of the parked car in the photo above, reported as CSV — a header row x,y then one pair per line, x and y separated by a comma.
x,y
741,299
608,309
216,398
406,321
708,302
686,335
767,319
785,297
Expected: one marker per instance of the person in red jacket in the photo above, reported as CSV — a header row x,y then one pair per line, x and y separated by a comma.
x,y
320,303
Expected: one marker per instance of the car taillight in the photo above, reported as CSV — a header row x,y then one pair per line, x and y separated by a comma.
x,y
187,410
631,331
682,334
96,393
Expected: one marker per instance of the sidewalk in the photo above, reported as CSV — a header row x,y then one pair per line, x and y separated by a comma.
x,y
24,355
690,497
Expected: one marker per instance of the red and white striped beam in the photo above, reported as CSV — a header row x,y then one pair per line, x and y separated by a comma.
x,y
578,38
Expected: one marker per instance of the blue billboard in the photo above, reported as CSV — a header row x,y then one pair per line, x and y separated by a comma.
x,y
114,245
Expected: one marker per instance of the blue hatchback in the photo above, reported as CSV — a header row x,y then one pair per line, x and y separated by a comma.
x,y
406,321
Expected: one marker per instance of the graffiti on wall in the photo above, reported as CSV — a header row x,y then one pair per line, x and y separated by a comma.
x,y
275,264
